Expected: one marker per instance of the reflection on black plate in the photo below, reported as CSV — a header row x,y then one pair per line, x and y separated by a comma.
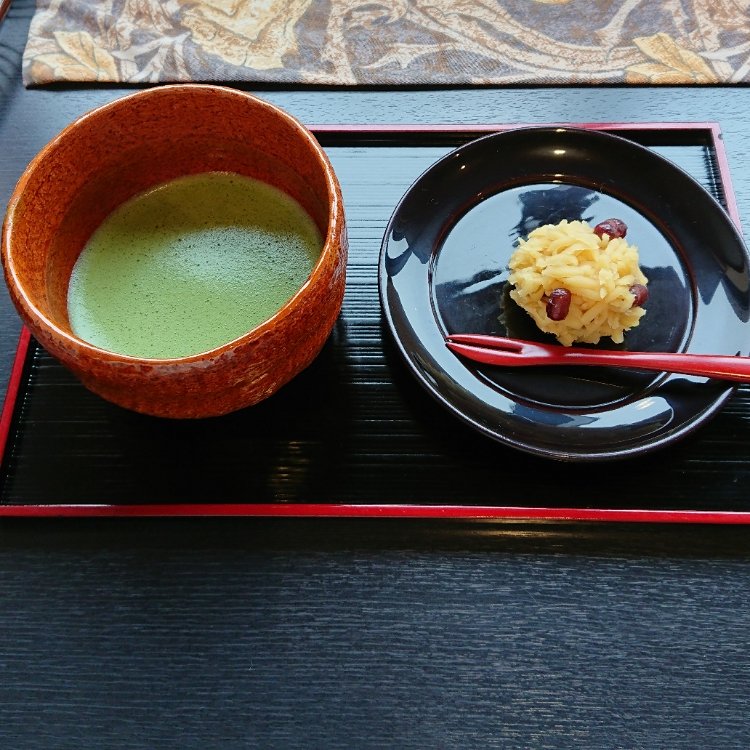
x,y
443,269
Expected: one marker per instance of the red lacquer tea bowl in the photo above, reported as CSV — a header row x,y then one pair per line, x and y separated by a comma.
x,y
134,143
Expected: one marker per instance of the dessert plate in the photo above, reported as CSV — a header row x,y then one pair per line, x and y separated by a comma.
x,y
443,270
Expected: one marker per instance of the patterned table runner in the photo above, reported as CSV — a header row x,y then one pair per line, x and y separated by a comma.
x,y
391,42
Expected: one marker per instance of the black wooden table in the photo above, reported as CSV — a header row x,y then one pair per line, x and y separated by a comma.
x,y
285,633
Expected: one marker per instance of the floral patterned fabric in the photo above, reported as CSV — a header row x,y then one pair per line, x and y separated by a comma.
x,y
395,42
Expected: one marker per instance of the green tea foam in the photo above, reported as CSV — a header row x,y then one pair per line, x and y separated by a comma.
x,y
190,265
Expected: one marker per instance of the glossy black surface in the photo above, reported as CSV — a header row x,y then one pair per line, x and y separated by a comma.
x,y
443,269
355,428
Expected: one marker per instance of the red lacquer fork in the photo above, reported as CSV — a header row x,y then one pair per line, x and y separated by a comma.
x,y
496,350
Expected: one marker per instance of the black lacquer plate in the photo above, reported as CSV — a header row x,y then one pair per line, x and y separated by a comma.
x,y
443,269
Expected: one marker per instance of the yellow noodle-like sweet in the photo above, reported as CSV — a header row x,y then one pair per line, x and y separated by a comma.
x,y
597,271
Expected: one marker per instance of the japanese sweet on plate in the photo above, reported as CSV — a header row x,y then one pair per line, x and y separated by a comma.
x,y
579,283
445,269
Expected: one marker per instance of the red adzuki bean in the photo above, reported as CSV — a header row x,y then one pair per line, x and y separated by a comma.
x,y
640,293
613,227
558,304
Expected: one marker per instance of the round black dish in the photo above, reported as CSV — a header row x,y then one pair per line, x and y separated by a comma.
x,y
443,269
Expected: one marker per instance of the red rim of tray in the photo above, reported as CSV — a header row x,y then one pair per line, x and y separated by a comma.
x,y
390,510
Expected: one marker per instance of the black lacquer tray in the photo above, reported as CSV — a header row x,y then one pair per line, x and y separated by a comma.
x,y
355,435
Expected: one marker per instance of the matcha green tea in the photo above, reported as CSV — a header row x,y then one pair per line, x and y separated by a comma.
x,y
191,265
